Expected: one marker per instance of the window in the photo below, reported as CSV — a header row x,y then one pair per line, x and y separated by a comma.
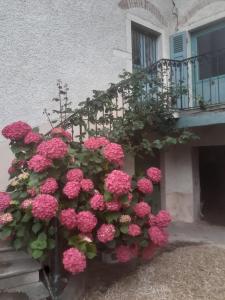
x,y
143,47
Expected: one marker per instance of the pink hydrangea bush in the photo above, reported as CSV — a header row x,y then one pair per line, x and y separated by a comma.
x,y
83,191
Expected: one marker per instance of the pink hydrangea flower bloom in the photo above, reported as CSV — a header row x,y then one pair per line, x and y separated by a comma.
x,y
106,233
97,202
94,143
154,174
72,189
87,185
11,170
114,153
31,192
74,175
134,250
60,132
149,251
32,137
162,219
16,131
39,163
142,209
5,200
68,218
49,186
134,230
113,205
145,186
53,149
158,236
6,218
86,221
26,204
118,182
74,261
124,253
44,207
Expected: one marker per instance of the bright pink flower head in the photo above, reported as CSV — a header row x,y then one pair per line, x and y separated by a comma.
x,y
87,185
49,186
113,205
94,143
5,200
74,261
39,163
53,149
158,236
142,209
134,230
31,192
145,186
97,202
16,131
74,175
154,174
32,137
86,221
26,204
68,218
162,219
44,207
106,233
114,153
6,218
124,253
118,182
60,132
149,251
72,189
152,221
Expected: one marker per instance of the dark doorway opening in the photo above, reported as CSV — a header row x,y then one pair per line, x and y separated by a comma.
x,y
212,183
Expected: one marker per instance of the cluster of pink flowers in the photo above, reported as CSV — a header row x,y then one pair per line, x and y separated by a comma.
x,y
68,218
113,205
49,186
39,163
60,132
75,175
106,233
72,189
145,186
86,221
154,174
44,207
6,218
142,209
31,192
118,182
97,202
32,137
162,219
158,236
26,204
114,153
87,185
134,230
53,149
124,253
74,261
5,200
94,143
16,131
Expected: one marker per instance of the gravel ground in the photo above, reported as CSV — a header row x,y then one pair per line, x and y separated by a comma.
x,y
181,272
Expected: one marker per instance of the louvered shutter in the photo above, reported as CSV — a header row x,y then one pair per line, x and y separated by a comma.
x,y
178,46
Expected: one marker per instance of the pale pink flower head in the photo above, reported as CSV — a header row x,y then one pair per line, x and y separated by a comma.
x,y
154,174
44,207
145,186
32,137
49,186
16,131
39,163
114,153
26,204
68,218
86,221
75,175
149,251
72,189
97,202
94,143
53,149
142,209
74,261
106,233
60,132
158,236
6,218
5,200
31,192
87,185
134,230
118,182
125,219
124,253
113,205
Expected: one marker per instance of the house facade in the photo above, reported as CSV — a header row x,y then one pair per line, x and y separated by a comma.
x,y
88,43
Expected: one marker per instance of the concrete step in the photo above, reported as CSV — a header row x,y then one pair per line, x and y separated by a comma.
x,y
5,246
22,279
10,255
35,291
